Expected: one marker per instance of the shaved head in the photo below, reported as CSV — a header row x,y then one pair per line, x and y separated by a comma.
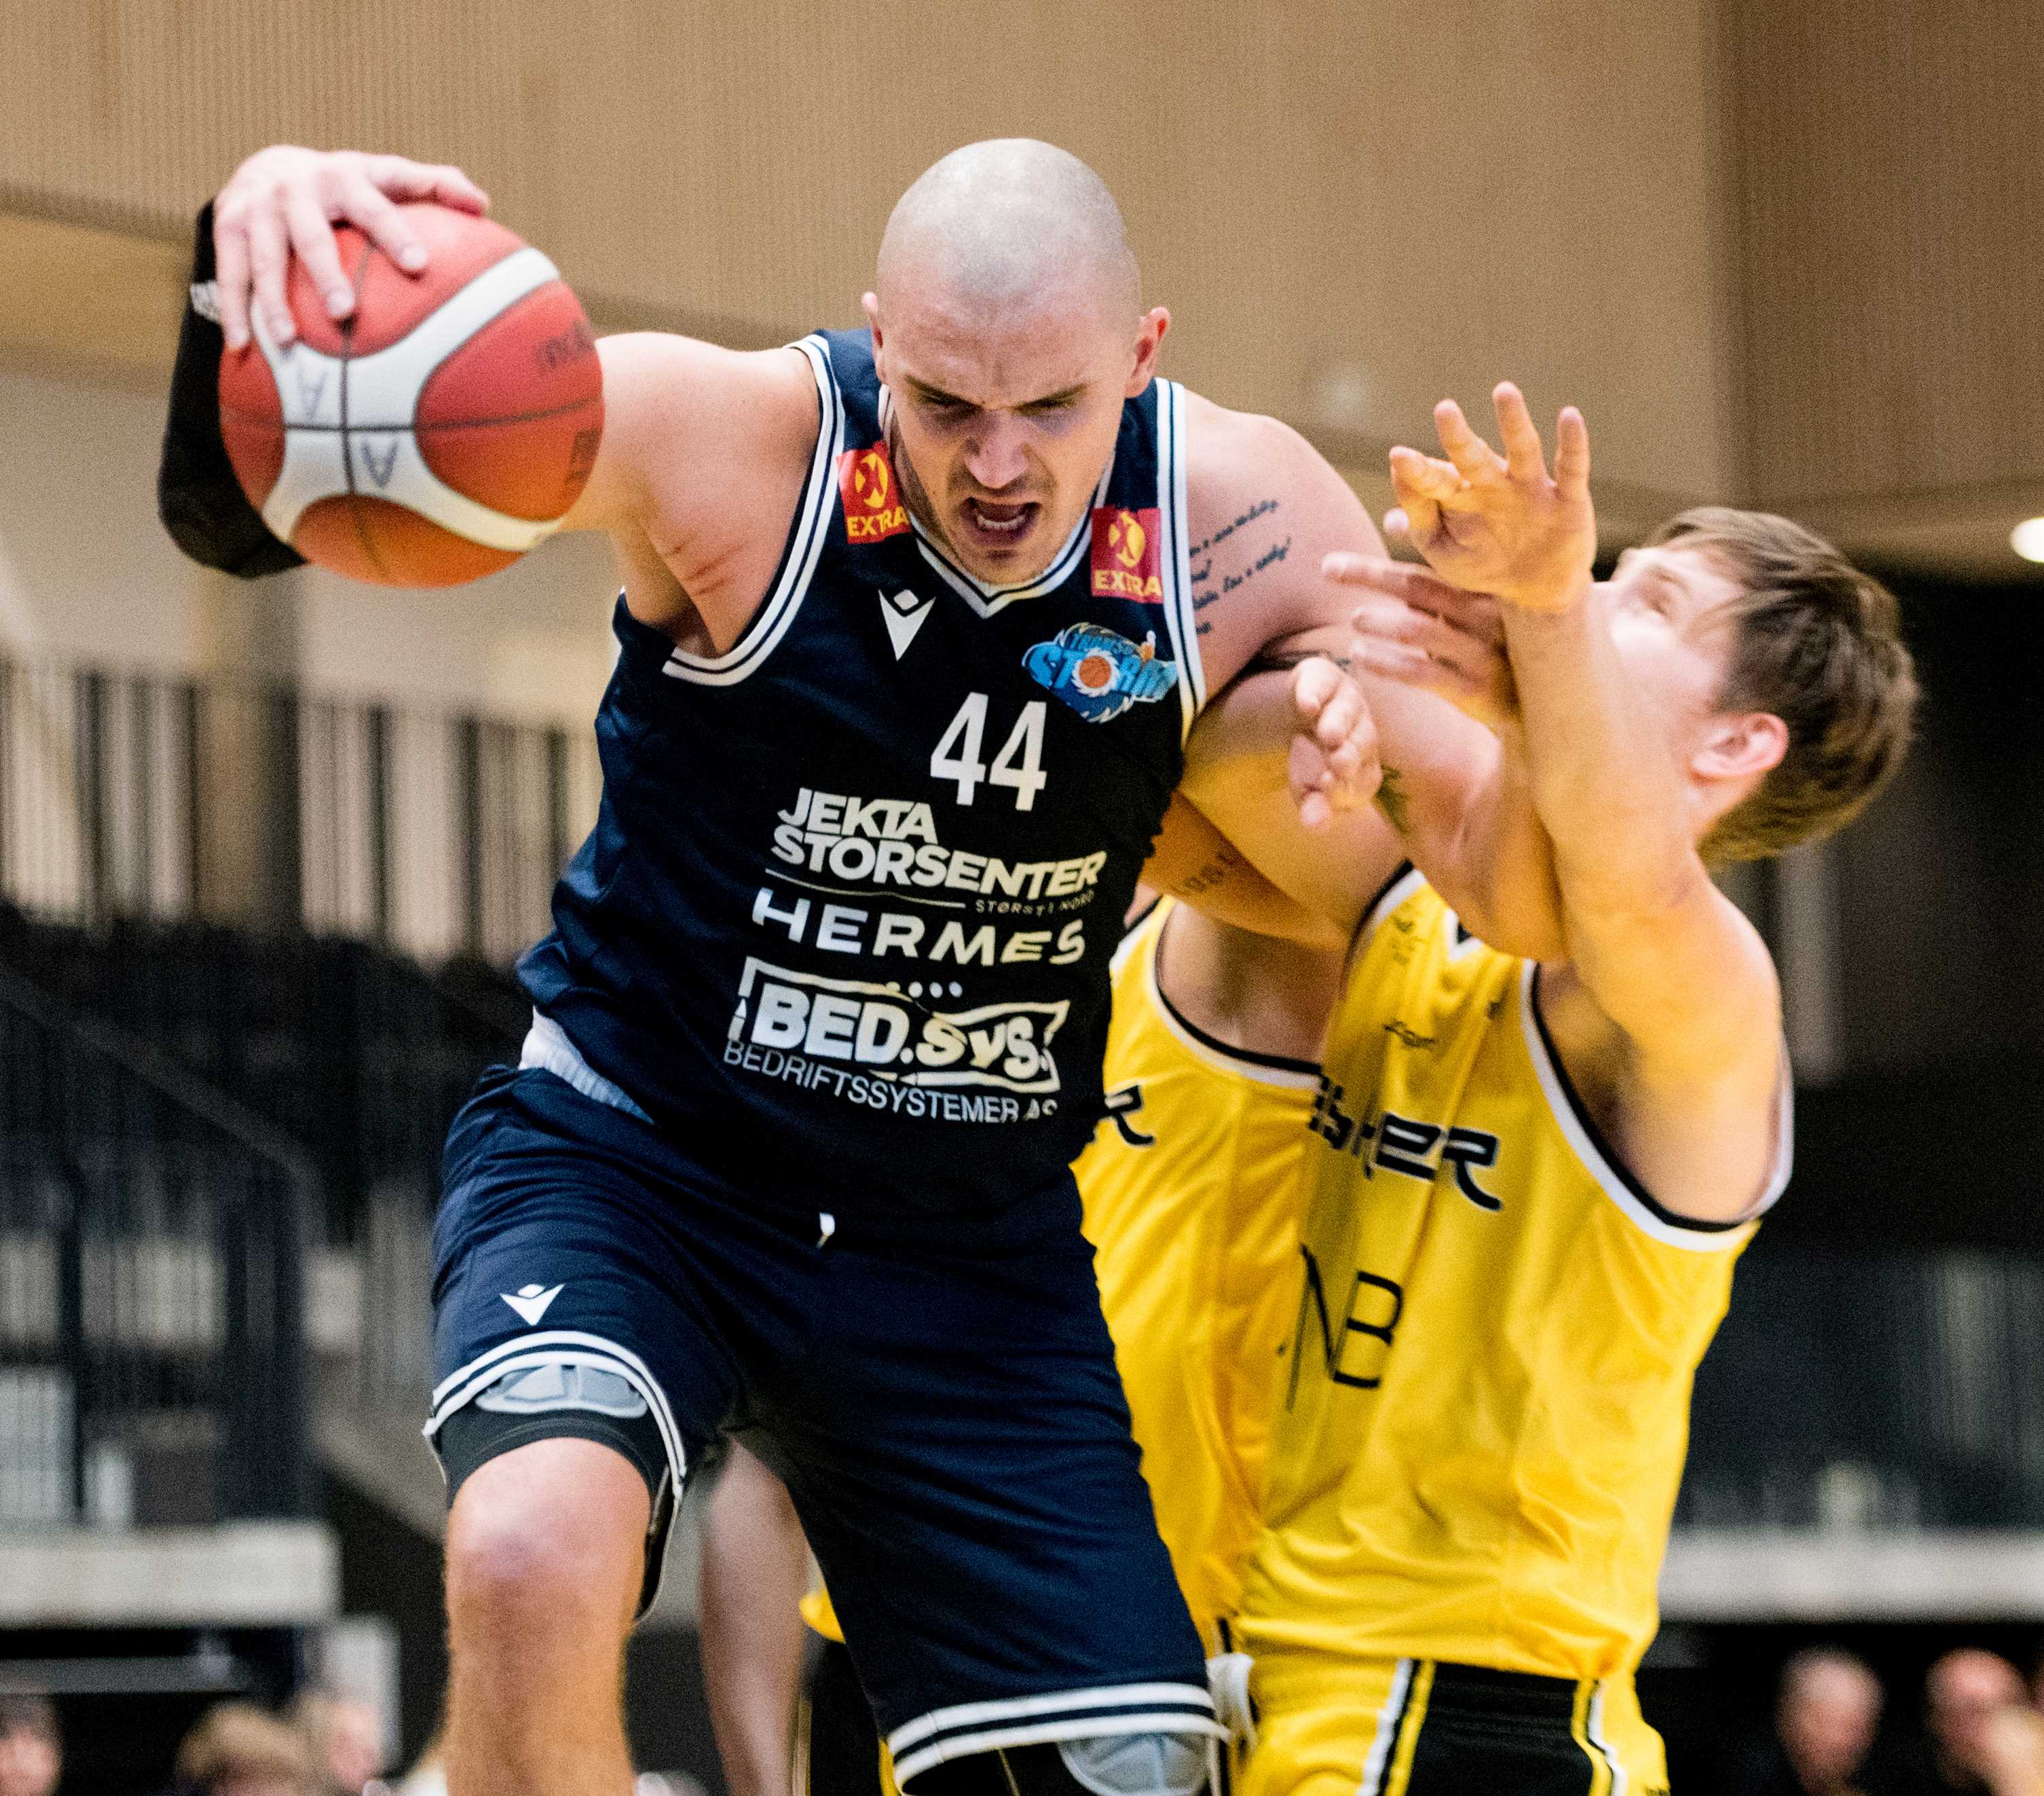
x,y
1010,222
1008,324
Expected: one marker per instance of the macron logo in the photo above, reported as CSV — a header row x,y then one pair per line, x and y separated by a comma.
x,y
530,1302
904,614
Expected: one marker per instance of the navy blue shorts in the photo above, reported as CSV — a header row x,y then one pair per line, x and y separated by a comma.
x,y
939,1395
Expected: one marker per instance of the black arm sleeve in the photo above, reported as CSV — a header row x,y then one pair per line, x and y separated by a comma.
x,y
197,497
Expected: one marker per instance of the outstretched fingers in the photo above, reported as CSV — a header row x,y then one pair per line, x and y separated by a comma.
x,y
1572,454
403,179
1523,456
312,241
1474,458
231,274
268,243
1422,483
366,205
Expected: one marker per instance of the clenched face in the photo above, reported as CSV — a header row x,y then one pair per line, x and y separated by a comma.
x,y
1007,325
1005,414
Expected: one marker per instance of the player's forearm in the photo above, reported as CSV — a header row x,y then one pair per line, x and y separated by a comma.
x,y
1236,773
1601,779
1458,803
1495,867
1193,861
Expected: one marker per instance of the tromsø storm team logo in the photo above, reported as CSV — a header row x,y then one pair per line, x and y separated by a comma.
x,y
1099,673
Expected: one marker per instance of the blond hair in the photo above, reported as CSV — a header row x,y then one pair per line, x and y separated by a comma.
x,y
237,1740
1818,645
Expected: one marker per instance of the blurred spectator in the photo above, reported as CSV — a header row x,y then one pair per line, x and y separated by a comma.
x,y
31,1748
343,1739
238,1750
1985,1737
1825,1718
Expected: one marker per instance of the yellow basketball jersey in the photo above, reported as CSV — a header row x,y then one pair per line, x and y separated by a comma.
x,y
1483,1411
1192,1199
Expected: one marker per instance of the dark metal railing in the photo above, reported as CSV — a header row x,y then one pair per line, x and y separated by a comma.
x,y
1857,1389
139,795
152,1360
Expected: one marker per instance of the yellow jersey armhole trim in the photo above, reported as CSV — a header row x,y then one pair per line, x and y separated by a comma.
x,y
1259,1069
1656,1223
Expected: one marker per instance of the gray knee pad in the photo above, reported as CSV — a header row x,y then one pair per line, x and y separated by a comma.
x,y
1127,1764
562,1399
1138,1764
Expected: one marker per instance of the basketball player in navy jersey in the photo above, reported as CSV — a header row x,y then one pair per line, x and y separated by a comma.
x,y
915,621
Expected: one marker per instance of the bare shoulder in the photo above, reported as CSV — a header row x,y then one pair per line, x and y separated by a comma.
x,y
704,453
1228,453
673,405
1264,508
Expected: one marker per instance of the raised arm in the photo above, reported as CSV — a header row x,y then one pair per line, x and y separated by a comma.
x,y
705,450
1457,806
1679,978
1277,532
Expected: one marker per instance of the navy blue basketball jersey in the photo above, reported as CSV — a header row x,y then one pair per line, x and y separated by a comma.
x,y
842,927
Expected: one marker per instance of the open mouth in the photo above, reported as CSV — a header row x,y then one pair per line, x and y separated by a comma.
x,y
993,524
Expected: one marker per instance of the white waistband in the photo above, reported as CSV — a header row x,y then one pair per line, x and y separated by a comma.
x,y
547,1048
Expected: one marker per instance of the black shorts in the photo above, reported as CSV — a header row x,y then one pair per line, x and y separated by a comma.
x,y
1420,1727
939,1394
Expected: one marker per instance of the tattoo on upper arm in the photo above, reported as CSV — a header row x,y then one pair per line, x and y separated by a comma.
x,y
1392,801
1216,872
1209,585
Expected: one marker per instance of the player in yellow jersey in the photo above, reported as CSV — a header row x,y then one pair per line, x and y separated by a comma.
x,y
1191,1187
1530,1179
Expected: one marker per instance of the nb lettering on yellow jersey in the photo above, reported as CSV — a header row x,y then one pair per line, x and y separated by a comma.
x,y
1484,1408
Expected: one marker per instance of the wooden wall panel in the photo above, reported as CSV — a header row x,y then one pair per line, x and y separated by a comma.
x,y
1890,195
1351,208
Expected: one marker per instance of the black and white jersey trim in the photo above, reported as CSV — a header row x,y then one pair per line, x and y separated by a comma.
x,y
805,546
1174,553
1616,1179
1600,1748
986,599
1394,892
967,1727
1279,1070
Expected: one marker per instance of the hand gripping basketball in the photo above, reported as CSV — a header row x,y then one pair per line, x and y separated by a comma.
x,y
438,431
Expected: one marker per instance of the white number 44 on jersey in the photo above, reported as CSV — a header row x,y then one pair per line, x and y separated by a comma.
x,y
1020,764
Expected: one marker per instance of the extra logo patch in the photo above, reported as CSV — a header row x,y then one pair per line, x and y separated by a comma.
x,y
1126,560
1099,674
873,507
